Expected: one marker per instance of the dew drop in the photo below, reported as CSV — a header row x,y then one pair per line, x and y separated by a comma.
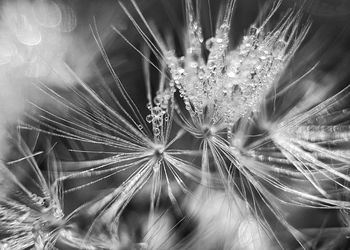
x,y
210,43
149,118
156,131
157,121
157,100
156,111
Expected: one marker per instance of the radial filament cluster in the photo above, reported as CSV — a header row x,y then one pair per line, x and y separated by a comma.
x,y
232,82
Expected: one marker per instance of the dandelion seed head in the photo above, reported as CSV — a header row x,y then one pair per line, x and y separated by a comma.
x,y
31,211
30,223
232,83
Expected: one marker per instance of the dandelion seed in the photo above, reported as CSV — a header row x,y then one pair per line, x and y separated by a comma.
x,y
29,218
231,86
133,146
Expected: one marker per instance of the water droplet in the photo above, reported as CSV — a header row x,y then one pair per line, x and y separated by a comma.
x,y
156,131
157,121
157,100
210,43
149,118
156,111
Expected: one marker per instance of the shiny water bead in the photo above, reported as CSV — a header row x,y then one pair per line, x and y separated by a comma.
x,y
209,43
149,118
57,212
174,65
157,121
156,131
195,35
157,100
217,47
158,112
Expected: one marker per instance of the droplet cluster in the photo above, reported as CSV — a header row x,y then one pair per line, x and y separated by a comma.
x,y
159,111
231,84
24,225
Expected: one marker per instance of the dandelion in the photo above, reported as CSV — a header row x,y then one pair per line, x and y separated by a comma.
x,y
229,87
135,147
219,96
31,212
